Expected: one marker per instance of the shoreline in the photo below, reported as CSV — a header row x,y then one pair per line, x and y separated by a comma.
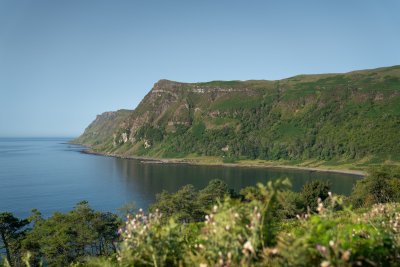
x,y
200,162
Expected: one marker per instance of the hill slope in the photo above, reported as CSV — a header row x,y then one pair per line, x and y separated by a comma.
x,y
347,117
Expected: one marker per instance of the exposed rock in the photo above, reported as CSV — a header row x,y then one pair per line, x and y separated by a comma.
x,y
225,148
124,137
147,144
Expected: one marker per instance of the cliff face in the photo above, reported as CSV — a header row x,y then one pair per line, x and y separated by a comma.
x,y
352,116
103,127
172,103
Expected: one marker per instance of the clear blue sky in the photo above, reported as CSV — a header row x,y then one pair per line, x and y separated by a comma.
x,y
63,62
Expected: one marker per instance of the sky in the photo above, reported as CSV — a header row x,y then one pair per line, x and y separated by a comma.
x,y
63,62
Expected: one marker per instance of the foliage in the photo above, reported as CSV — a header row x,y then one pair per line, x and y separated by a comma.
x,y
215,190
313,191
150,133
352,117
235,234
182,204
189,205
268,225
229,159
289,205
65,238
11,232
344,239
381,185
148,242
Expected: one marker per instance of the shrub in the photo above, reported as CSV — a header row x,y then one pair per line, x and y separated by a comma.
x,y
382,185
146,241
341,239
70,237
189,205
313,191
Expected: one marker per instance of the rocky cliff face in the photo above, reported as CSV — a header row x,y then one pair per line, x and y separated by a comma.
x,y
306,116
103,128
172,103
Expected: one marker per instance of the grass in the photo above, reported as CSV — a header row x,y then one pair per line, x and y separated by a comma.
x,y
237,101
359,166
168,157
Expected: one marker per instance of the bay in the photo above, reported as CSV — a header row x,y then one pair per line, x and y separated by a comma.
x,y
51,175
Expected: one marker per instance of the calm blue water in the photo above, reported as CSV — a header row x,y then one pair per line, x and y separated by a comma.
x,y
50,175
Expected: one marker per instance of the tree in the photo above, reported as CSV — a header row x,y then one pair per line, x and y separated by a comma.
x,y
381,185
312,191
71,237
182,204
189,205
215,190
11,228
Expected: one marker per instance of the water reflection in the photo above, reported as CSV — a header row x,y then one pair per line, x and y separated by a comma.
x,y
145,180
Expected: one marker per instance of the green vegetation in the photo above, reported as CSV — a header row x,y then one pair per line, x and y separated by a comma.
x,y
382,185
11,233
105,125
60,239
338,119
264,225
188,205
350,119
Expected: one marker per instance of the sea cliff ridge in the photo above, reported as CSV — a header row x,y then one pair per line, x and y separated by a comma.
x,y
338,118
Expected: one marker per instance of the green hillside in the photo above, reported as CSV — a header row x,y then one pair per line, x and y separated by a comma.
x,y
102,127
351,117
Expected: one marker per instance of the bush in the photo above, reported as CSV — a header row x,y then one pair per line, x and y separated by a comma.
x,y
189,205
229,159
382,185
211,228
148,242
238,233
313,191
70,237
344,239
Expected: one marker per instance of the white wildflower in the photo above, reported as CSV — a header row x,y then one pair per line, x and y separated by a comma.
x,y
248,246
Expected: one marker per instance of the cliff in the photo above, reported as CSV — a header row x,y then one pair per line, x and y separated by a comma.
x,y
103,127
349,116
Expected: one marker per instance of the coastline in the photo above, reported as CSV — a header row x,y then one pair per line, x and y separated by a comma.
x,y
206,162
